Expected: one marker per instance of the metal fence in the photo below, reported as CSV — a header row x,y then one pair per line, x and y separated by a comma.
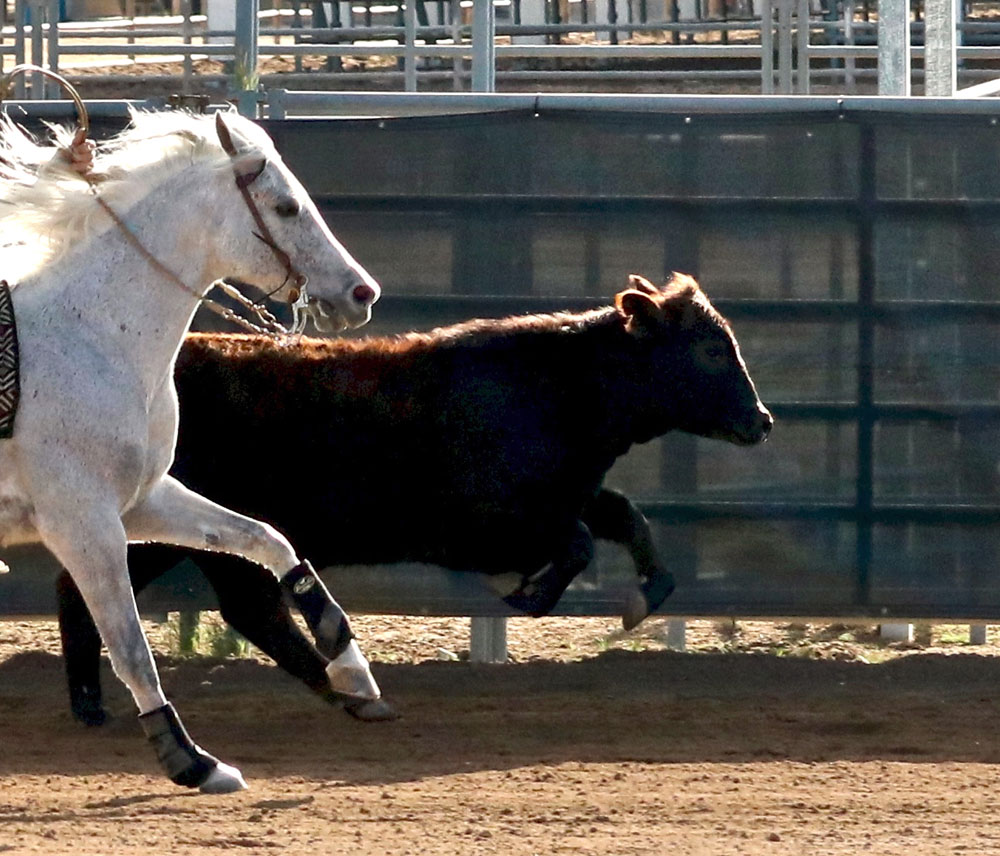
x,y
776,45
854,244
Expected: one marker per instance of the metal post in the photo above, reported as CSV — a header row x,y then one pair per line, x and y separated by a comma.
x,y
53,44
676,634
893,47
896,632
767,47
488,639
409,50
245,52
802,48
37,58
458,63
19,14
849,64
188,65
484,28
940,64
488,643
785,46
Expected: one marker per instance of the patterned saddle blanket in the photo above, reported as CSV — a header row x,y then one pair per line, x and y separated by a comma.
x,y
10,380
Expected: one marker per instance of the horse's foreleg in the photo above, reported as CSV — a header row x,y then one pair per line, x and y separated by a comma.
x,y
172,514
251,601
93,550
613,517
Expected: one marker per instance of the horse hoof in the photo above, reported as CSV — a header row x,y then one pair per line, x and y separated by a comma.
x,y
371,711
635,610
223,779
350,674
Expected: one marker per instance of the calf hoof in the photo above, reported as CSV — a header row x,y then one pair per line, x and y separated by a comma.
x,y
657,589
635,609
646,599
541,592
371,711
87,708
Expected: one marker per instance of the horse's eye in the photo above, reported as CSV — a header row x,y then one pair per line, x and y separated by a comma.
x,y
287,207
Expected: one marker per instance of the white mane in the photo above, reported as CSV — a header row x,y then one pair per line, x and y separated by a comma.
x,y
47,208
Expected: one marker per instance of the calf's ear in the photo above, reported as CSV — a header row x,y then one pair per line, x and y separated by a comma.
x,y
639,309
640,283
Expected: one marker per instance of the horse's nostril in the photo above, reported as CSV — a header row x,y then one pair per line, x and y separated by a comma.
x,y
364,293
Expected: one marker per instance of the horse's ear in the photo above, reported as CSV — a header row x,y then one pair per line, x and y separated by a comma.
x,y
225,137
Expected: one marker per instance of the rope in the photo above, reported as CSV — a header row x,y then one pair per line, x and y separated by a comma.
x,y
7,79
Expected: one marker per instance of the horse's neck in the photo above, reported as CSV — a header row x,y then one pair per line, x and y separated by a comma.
x,y
107,285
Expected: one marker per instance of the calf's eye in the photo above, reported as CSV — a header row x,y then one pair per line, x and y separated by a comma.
x,y
715,352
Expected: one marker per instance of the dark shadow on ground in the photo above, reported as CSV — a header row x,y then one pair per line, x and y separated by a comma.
x,y
656,707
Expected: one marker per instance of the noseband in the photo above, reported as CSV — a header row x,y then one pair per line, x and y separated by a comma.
x,y
296,296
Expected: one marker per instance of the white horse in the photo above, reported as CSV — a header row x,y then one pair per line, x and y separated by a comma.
x,y
108,278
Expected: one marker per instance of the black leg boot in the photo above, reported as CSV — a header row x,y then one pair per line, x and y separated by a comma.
x,y
327,621
183,760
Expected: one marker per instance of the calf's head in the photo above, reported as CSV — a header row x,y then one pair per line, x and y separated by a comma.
x,y
695,372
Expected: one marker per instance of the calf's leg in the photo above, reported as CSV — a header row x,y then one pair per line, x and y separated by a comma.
x,y
540,592
81,643
612,516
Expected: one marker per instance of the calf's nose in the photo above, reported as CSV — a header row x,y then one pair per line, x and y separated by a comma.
x,y
766,421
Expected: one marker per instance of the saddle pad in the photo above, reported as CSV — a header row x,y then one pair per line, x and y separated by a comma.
x,y
10,382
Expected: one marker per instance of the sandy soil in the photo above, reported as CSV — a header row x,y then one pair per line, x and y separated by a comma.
x,y
763,739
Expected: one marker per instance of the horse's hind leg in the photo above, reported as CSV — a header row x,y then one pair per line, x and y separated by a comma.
x,y
94,553
172,514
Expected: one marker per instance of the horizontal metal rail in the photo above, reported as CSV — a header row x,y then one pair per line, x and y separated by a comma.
x,y
417,103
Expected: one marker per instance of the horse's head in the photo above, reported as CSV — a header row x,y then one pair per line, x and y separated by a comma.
x,y
279,242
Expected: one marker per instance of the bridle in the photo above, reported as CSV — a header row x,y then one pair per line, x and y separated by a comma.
x,y
296,295
297,298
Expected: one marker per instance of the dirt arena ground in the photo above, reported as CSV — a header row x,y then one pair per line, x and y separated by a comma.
x,y
762,739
